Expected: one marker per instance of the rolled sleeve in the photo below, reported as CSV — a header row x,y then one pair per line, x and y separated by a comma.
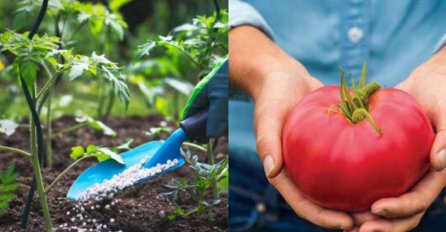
x,y
241,13
440,44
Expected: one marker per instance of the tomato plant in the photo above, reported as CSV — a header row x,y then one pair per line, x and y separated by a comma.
x,y
205,181
63,75
44,53
178,60
345,149
8,184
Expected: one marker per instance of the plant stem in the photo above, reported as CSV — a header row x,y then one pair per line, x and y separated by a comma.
x,y
101,92
48,188
355,108
15,150
176,108
185,53
38,172
49,83
66,130
211,161
196,146
48,131
110,104
196,209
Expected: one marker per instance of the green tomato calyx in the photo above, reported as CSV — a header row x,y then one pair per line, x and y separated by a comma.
x,y
354,106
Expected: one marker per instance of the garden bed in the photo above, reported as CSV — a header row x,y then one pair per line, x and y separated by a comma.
x,y
140,208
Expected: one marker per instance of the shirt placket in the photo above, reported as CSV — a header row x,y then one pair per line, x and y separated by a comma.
x,y
355,33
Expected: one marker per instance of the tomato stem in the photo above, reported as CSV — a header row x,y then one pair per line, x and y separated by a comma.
x,y
355,108
360,114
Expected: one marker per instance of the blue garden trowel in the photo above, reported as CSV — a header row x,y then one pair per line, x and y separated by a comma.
x,y
155,152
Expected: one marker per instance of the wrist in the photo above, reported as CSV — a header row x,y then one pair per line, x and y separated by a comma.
x,y
290,79
255,61
435,65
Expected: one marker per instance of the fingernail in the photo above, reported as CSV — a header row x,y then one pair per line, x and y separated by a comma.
x,y
381,212
344,228
268,165
441,157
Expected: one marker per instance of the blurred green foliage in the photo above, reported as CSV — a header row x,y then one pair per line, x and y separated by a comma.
x,y
8,185
159,83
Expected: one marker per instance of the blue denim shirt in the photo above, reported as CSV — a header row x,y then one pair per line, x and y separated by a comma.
x,y
394,37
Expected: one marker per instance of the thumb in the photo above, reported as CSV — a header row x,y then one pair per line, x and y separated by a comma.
x,y
268,122
438,150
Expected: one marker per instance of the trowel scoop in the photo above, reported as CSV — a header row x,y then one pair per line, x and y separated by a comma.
x,y
144,162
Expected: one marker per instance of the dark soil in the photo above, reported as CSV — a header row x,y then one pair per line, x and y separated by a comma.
x,y
141,208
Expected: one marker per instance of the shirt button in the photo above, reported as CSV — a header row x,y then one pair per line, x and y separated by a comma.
x,y
355,34
260,207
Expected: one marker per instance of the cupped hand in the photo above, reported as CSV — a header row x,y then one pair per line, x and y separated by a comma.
x,y
276,82
427,84
281,91
405,212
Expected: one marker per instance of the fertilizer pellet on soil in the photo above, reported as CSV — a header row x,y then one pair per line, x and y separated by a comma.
x,y
93,197
128,178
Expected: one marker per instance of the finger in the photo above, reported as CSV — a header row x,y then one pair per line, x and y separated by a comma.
x,y
360,218
271,110
384,225
415,201
354,229
268,123
438,150
307,209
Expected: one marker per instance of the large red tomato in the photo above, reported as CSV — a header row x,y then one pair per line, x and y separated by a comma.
x,y
346,161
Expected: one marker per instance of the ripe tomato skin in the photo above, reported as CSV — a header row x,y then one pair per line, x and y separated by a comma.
x,y
345,166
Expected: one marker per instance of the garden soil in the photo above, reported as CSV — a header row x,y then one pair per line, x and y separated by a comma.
x,y
140,208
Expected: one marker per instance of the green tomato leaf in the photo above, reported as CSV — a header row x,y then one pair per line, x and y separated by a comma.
x,y
102,157
100,153
158,130
77,152
9,187
29,70
78,67
97,125
145,49
171,216
223,183
185,27
117,4
181,86
83,17
180,212
117,81
100,59
106,154
117,25
21,19
100,126
8,184
92,149
95,25
125,146
7,197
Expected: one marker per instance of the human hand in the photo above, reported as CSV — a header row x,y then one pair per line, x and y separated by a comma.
x,y
211,93
402,213
280,92
276,82
427,84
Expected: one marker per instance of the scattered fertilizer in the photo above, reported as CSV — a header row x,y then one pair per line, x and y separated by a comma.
x,y
92,199
128,178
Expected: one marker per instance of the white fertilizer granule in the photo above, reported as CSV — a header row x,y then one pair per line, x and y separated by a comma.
x,y
127,178
93,198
